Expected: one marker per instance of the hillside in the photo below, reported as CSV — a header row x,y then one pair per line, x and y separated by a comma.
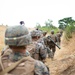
x,y
2,31
64,60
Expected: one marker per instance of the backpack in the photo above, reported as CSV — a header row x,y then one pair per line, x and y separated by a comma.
x,y
24,66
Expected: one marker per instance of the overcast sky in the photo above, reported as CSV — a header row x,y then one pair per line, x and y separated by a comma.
x,y
35,11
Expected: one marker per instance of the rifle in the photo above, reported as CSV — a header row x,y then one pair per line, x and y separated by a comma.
x,y
53,42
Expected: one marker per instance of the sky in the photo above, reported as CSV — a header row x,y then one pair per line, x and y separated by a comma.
x,y
35,11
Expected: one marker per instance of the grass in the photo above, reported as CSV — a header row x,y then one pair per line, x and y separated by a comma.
x,y
48,29
68,31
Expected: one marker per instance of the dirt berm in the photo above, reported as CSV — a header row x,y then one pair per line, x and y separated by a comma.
x,y
64,60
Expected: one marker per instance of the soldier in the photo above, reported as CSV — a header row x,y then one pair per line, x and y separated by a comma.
x,y
44,33
18,62
51,45
44,39
37,29
61,32
38,49
7,51
58,38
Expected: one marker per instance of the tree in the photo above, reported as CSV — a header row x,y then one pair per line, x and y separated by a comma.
x,y
38,25
63,23
49,24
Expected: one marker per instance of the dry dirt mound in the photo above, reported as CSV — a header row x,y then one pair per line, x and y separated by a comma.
x,y
2,31
64,62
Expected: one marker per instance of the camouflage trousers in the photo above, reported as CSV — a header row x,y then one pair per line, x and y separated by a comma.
x,y
53,49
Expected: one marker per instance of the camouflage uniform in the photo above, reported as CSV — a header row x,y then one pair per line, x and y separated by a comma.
x,y
61,32
7,51
19,36
43,41
38,51
50,43
44,33
58,38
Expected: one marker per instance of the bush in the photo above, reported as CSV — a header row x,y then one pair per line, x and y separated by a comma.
x,y
68,31
48,29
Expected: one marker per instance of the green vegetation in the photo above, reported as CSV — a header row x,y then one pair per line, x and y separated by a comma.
x,y
48,29
63,23
48,26
68,31
67,24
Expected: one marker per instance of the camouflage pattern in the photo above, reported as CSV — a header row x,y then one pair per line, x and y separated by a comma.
x,y
7,51
50,44
49,52
61,32
43,42
37,50
44,33
52,31
28,67
35,33
17,36
58,38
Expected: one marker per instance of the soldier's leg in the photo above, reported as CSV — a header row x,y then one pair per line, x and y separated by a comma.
x,y
58,43
53,50
50,55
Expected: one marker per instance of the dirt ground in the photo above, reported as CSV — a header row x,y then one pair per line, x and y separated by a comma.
x,y
2,32
64,59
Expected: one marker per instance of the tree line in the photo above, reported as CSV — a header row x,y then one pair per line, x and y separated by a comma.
x,y
67,24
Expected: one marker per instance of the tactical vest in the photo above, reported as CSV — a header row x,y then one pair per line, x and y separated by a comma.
x,y
35,49
58,37
26,67
53,37
50,43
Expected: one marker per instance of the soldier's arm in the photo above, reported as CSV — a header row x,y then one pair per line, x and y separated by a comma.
x,y
42,52
41,69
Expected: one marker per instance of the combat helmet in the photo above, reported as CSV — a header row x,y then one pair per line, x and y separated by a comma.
x,y
52,31
35,33
61,31
44,33
58,32
17,36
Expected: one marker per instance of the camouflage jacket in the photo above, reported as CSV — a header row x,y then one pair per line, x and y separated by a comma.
x,y
54,38
43,41
29,66
58,37
37,50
